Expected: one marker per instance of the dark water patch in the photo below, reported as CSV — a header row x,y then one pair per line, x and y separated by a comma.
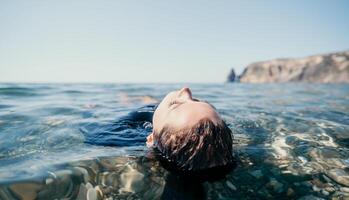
x,y
253,129
344,142
3,106
80,92
330,115
17,91
55,110
73,92
115,134
13,119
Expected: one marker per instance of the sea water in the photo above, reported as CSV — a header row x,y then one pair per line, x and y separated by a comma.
x,y
290,141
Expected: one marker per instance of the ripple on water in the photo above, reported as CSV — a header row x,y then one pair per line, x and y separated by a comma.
x,y
290,141
17,91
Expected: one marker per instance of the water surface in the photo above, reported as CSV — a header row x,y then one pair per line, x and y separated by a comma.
x,y
290,141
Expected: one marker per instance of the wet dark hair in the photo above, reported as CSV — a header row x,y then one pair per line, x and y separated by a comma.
x,y
201,147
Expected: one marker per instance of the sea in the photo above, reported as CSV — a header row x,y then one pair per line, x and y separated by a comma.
x,y
63,141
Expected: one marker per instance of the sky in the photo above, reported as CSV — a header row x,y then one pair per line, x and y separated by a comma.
x,y
160,41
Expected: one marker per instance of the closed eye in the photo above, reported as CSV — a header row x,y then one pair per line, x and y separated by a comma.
x,y
179,103
175,104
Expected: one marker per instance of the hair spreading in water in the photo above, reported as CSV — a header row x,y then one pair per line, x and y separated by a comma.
x,y
203,146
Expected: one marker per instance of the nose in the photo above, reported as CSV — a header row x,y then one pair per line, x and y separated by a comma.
x,y
184,93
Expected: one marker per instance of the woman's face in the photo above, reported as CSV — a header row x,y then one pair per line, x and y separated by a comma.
x,y
180,110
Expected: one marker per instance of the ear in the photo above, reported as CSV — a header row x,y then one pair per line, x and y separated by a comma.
x,y
150,142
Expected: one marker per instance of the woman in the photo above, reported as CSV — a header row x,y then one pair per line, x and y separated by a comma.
x,y
188,133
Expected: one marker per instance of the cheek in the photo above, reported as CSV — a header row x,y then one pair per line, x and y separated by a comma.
x,y
158,117
178,119
162,108
159,112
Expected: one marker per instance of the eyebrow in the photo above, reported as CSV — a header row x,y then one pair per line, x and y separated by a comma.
x,y
197,100
177,105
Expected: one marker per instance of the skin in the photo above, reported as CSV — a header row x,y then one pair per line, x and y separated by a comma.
x,y
180,110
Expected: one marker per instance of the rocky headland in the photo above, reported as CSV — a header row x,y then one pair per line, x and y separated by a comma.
x,y
325,68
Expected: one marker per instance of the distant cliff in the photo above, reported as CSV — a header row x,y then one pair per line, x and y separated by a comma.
x,y
326,68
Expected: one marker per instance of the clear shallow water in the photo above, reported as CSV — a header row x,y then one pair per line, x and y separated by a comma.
x,y
290,140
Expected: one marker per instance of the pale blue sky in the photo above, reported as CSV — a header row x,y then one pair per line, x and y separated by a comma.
x,y
160,41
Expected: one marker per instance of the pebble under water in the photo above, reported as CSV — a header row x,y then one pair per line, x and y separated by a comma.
x,y
64,141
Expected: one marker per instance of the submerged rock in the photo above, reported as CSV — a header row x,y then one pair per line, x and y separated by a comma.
x,y
326,68
257,174
276,185
339,175
344,189
324,192
231,185
310,197
91,194
131,180
82,192
84,173
26,190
